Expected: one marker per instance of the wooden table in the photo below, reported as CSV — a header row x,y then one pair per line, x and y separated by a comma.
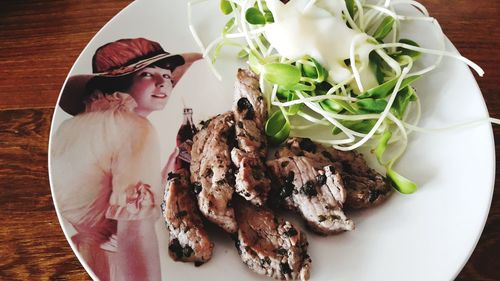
x,y
40,40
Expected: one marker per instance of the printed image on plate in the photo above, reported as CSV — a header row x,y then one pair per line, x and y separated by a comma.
x,y
160,170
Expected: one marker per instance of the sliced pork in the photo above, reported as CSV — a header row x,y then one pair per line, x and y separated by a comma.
x,y
250,115
365,186
188,240
212,174
317,193
269,246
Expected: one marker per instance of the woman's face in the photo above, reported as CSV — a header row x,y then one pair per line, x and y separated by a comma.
x,y
151,88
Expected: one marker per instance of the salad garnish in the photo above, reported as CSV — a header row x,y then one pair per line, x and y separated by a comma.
x,y
335,66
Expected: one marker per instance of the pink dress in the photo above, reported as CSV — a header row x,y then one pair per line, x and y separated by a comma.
x,y
105,167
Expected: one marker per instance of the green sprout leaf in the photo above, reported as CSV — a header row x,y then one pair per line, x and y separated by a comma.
x,y
309,71
382,145
293,109
385,89
284,75
322,72
225,7
315,71
350,7
264,41
254,62
378,65
347,106
269,16
277,128
413,54
384,28
254,16
309,87
363,126
370,105
402,100
242,54
228,26
401,183
331,106
283,94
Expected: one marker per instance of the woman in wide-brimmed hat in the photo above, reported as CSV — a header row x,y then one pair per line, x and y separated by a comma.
x,y
105,160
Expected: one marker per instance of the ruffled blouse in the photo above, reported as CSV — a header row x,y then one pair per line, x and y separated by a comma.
x,y
105,168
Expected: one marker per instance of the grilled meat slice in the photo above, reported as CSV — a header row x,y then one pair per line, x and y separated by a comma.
x,y
211,171
269,246
365,186
252,182
318,194
188,240
250,115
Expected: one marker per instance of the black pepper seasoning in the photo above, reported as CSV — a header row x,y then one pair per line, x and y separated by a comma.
x,y
321,179
197,187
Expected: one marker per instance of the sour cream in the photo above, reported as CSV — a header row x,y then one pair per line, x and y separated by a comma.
x,y
302,27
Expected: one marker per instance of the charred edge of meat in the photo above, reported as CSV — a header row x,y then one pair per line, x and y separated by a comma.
x,y
322,218
284,164
208,173
181,214
244,104
198,263
307,145
332,169
179,251
237,244
264,261
280,251
231,139
275,200
346,167
374,194
321,180
204,123
309,189
327,155
291,232
230,176
197,187
263,145
285,268
288,186
257,173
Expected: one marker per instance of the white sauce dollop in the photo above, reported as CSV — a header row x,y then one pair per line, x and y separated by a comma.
x,y
318,30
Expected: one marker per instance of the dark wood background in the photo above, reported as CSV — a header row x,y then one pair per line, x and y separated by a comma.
x,y
40,40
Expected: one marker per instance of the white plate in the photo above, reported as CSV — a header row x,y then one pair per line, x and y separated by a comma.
x,y
425,236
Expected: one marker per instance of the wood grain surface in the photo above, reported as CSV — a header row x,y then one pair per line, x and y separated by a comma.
x,y
39,42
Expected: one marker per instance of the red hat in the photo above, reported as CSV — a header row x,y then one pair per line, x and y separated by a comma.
x,y
121,58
